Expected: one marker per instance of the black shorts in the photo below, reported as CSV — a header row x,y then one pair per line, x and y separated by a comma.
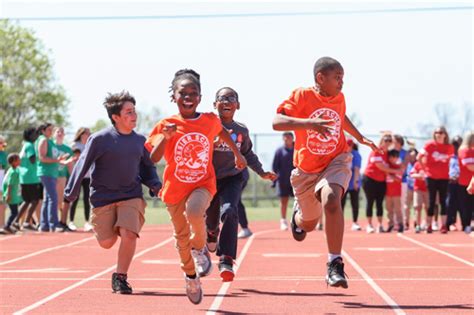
x,y
284,190
31,192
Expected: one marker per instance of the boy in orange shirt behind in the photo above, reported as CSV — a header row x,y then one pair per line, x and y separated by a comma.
x,y
317,115
186,140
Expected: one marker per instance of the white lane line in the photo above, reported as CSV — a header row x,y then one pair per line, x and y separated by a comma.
x,y
83,281
3,263
386,249
437,250
225,286
396,308
43,270
9,237
291,255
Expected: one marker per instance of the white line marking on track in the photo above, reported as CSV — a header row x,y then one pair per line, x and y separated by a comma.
x,y
456,245
43,270
225,286
437,250
291,255
396,308
167,261
77,284
9,237
3,263
386,249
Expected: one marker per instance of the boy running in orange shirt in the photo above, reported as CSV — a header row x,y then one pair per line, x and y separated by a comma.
x,y
186,140
323,165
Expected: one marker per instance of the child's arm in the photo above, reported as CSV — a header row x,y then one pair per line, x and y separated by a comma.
x,y
8,196
470,187
349,127
159,143
253,161
240,161
148,174
43,151
286,123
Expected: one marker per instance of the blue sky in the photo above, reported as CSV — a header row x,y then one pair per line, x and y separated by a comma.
x,y
398,64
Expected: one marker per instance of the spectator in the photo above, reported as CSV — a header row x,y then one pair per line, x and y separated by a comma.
x,y
3,166
394,192
354,184
466,178
11,184
408,202
453,203
398,144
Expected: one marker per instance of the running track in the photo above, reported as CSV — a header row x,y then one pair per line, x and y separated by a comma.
x,y
388,273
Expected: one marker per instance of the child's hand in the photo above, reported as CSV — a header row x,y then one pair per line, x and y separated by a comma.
x,y
169,131
371,144
470,187
269,175
63,159
240,162
323,126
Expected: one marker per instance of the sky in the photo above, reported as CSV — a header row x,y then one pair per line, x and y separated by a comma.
x,y
400,59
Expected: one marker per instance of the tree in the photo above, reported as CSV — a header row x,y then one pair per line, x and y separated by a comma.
x,y
99,125
29,94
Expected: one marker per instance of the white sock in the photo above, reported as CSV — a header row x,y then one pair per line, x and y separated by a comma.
x,y
331,257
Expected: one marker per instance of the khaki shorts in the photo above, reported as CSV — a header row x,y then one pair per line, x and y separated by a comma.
x,y
128,214
306,186
420,198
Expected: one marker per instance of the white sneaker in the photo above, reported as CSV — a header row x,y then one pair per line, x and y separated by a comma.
x,y
319,227
283,225
355,227
467,230
72,226
87,227
244,233
194,290
370,229
202,261
435,226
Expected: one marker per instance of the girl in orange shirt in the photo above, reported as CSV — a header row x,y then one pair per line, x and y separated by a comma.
x,y
185,140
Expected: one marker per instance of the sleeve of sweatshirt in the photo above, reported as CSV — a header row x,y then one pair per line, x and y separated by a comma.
x,y
148,174
88,156
250,156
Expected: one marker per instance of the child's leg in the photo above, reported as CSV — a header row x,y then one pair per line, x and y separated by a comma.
x,y
212,215
196,206
331,202
389,204
128,244
2,210
283,206
397,209
13,214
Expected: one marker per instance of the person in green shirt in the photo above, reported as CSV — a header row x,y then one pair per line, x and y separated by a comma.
x,y
48,168
3,166
12,191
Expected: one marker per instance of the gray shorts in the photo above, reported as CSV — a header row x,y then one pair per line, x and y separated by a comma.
x,y
306,186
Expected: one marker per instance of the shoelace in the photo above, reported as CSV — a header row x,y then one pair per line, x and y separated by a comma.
x,y
201,256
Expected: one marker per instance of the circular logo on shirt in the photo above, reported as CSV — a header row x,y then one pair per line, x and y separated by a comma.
x,y
320,144
191,155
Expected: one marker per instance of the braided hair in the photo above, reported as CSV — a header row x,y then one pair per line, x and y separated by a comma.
x,y
185,74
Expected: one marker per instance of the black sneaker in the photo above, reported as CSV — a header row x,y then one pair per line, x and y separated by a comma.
x,y
62,227
226,271
336,276
29,226
390,228
298,234
16,226
120,284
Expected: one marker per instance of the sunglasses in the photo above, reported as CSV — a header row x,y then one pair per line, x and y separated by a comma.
x,y
387,140
230,99
439,132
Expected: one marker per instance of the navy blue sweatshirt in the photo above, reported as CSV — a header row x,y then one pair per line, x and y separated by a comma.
x,y
119,165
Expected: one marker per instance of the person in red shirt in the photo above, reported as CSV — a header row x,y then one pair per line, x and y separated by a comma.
x,y
420,194
435,157
322,171
186,140
393,195
374,184
466,176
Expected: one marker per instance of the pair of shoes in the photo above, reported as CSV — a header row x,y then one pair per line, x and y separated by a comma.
x,y
72,226
283,225
389,229
194,289
336,276
120,284
355,227
298,234
444,229
226,270
202,261
244,233
380,229
88,227
212,241
370,229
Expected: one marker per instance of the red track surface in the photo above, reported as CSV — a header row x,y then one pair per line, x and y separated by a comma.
x,y
411,274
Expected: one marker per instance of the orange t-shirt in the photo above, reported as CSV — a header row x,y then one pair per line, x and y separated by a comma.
x,y
188,155
313,152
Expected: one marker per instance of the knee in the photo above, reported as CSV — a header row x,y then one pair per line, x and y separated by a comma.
x,y
332,204
308,225
229,212
127,235
108,243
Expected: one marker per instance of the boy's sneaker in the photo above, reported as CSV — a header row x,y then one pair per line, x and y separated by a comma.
x,y
283,225
336,276
244,233
72,226
211,241
120,284
225,268
370,229
444,229
194,290
355,227
202,261
298,234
